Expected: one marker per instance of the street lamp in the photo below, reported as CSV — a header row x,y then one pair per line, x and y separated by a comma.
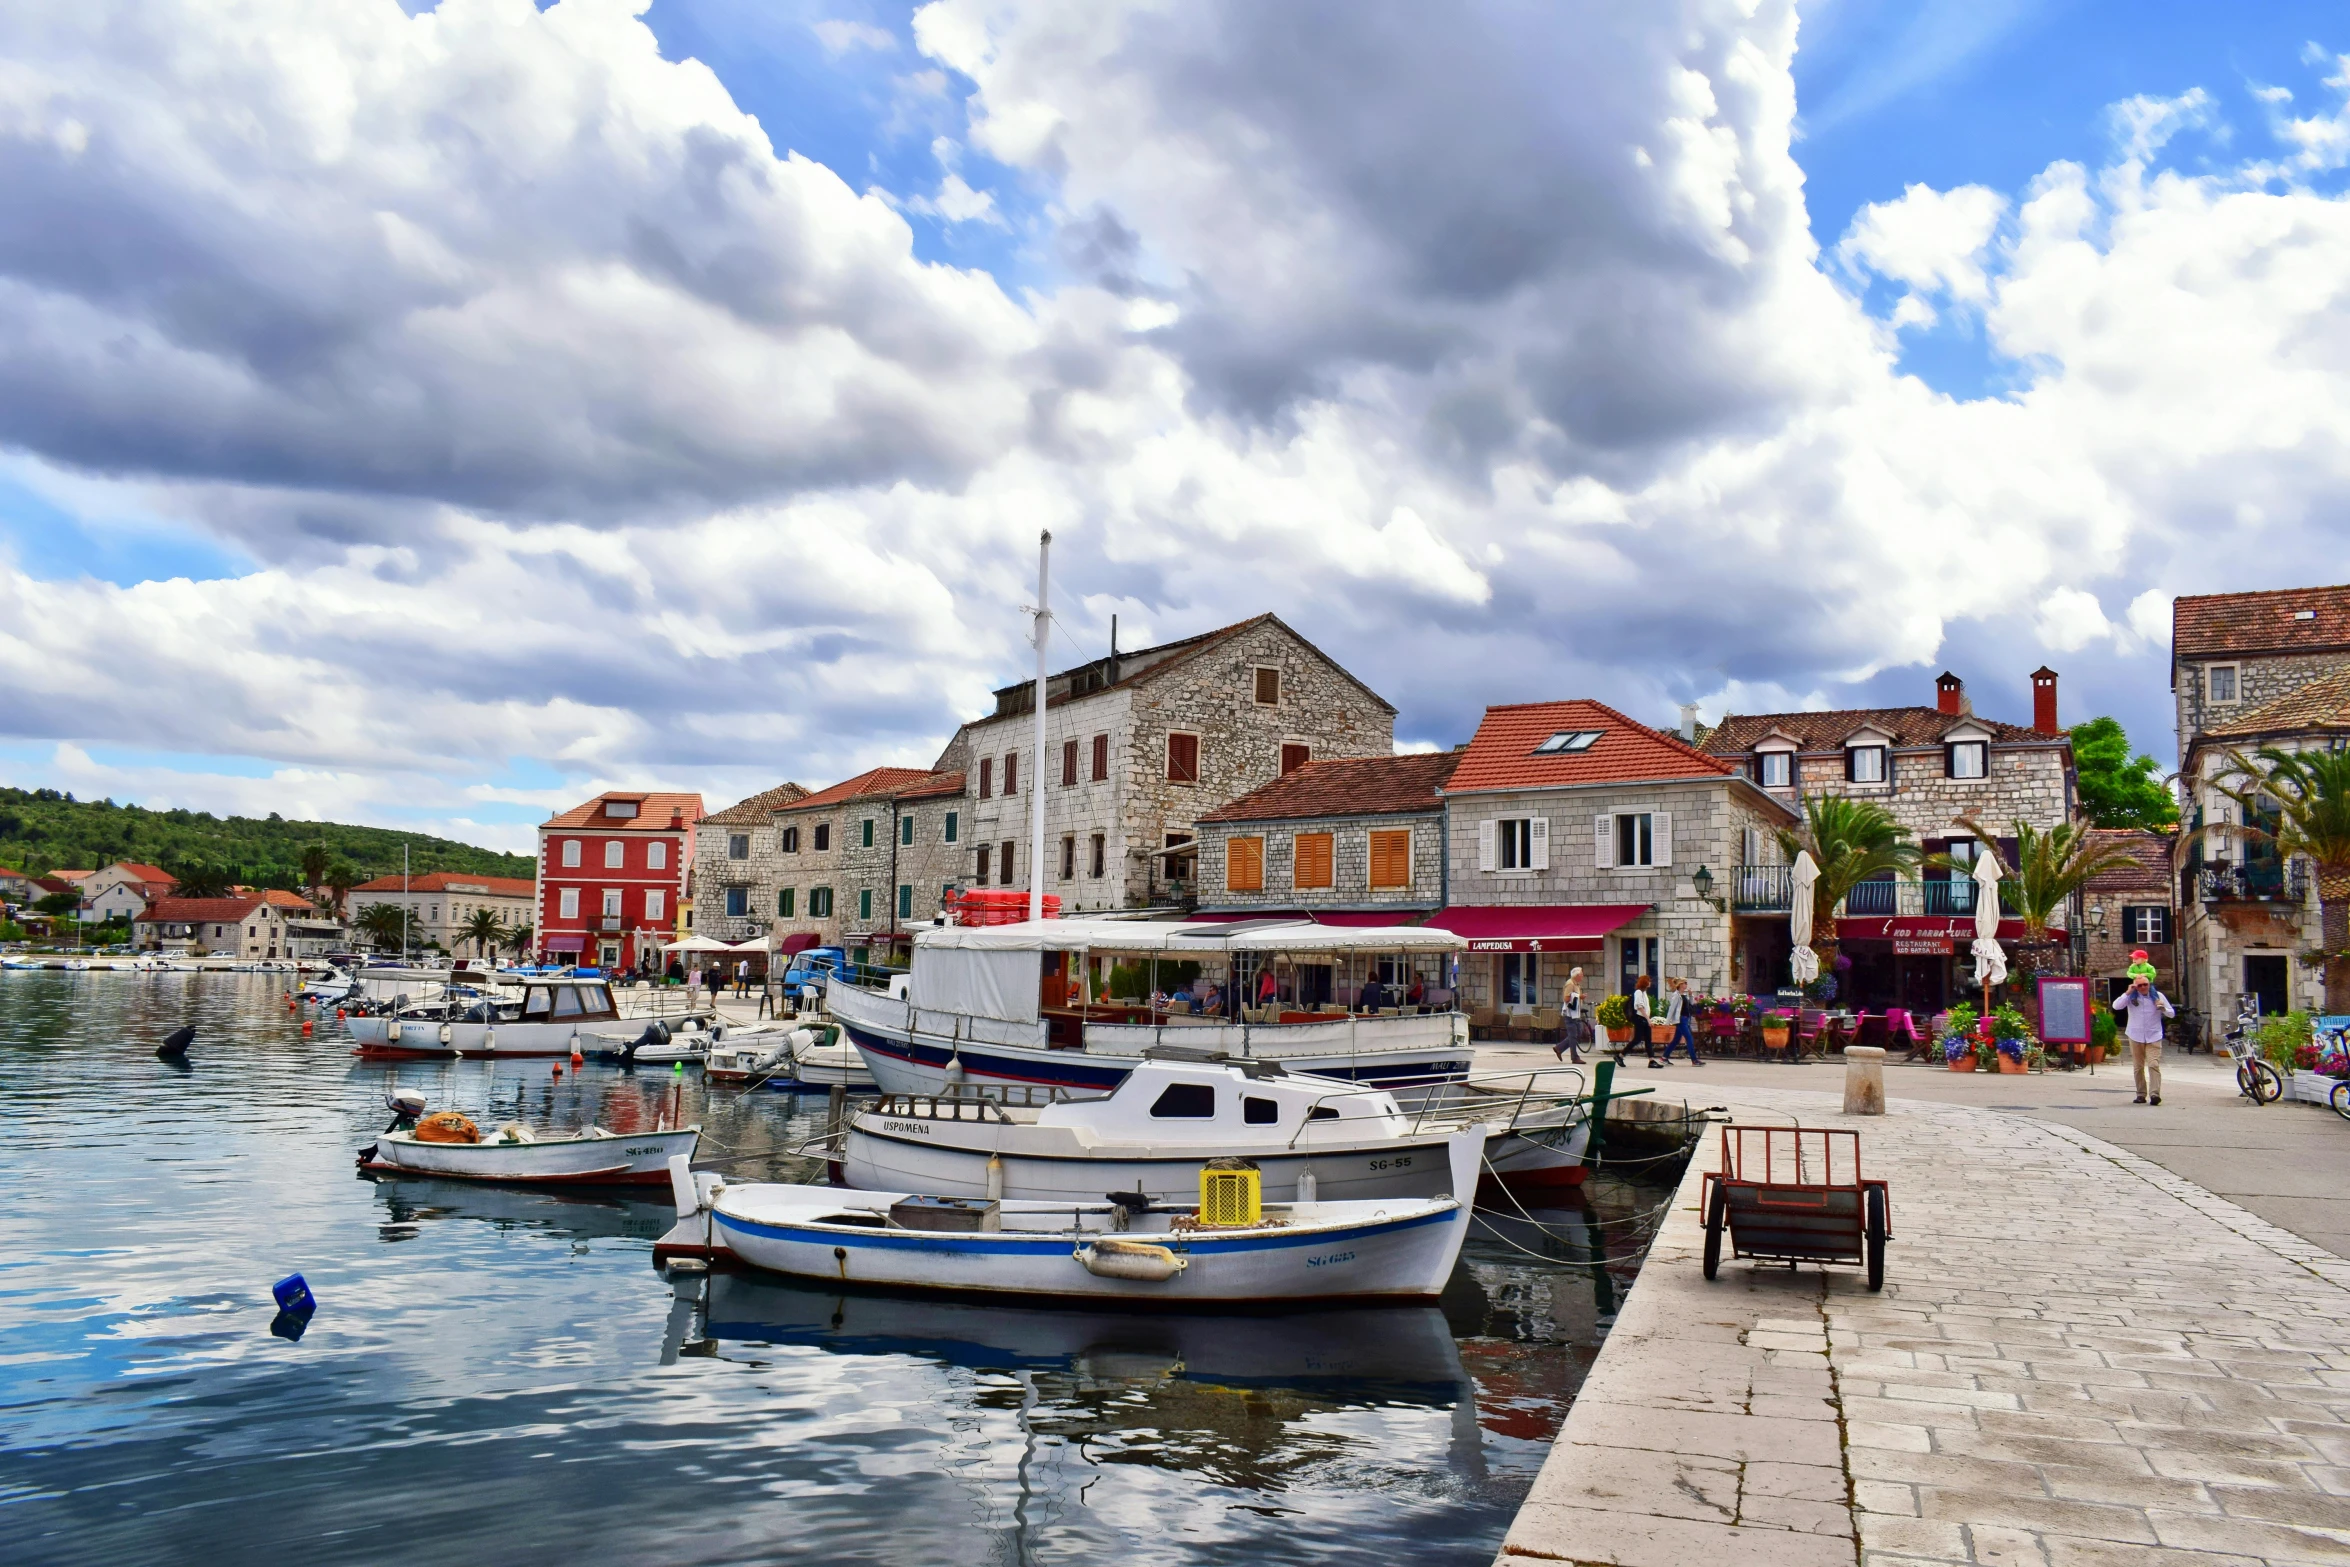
x,y
1703,881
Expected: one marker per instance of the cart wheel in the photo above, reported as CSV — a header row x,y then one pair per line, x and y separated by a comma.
x,y
1715,1215
1876,1238
2340,1100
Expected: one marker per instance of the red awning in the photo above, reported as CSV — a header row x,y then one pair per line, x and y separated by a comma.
x,y
571,943
1537,927
1928,927
800,941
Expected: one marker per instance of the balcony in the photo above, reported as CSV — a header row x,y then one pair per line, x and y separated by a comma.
x,y
1762,889
2262,883
1770,889
610,924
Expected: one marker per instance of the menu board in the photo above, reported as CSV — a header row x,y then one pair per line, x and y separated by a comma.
x,y
2064,1011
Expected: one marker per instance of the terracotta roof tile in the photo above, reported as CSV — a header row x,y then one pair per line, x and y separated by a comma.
x,y
875,781
2152,850
1739,733
755,810
939,786
653,813
455,881
2205,624
1359,786
2324,703
151,875
1501,756
195,911
291,902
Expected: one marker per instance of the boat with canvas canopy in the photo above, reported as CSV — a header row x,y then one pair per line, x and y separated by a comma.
x,y
1077,1003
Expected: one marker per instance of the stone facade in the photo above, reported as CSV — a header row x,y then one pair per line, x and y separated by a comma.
x,y
2130,909
2260,680
861,863
1351,865
737,869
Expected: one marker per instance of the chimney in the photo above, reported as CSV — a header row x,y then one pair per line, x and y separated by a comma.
x,y
2044,701
1689,722
1949,694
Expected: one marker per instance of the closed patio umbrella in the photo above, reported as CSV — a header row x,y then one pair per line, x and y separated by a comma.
x,y
1990,958
1806,962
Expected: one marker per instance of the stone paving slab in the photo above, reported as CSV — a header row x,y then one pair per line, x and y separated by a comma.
x,y
2080,1358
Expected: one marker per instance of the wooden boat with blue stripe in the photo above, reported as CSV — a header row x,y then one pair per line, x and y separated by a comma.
x,y
1149,1254
1021,1004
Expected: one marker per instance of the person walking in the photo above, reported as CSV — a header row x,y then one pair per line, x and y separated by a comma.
x,y
2143,1008
1574,1020
1681,1018
1643,1015
742,978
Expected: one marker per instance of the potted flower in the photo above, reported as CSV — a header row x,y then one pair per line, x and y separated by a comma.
x,y
1958,1043
1613,1013
2012,1040
1776,1025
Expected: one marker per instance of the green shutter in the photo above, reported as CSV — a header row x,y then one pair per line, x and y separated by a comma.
x,y
868,834
783,903
865,902
905,902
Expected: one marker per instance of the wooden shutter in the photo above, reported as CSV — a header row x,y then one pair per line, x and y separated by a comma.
x,y
1391,858
1604,833
1244,865
1068,764
1294,757
1661,826
1314,862
1485,845
1101,758
1538,843
1183,758
1011,773
986,777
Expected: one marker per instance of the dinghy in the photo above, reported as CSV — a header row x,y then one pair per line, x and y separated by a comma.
x,y
450,1146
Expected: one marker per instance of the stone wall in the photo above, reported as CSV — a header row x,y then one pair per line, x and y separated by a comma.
x,y
715,871
2026,780
1351,864
2259,681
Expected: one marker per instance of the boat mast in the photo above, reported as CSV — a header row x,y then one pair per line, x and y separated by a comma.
x,y
1044,560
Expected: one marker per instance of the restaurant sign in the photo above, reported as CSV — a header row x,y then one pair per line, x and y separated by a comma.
x,y
1915,947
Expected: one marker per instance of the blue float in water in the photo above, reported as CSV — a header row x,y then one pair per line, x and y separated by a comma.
x,y
291,1325
293,1294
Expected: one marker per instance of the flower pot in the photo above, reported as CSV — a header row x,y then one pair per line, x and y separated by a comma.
x,y
1964,1063
1774,1038
2008,1063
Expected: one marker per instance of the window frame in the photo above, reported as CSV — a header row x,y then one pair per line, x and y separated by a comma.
x,y
1326,852
1762,768
905,900
657,854
735,839
655,901
905,832
1101,758
1852,760
787,903
1011,774
986,777
819,903
865,833
1190,741
615,854
1255,858
1068,856
1305,755
788,841
567,903
1513,845
1371,862
2235,674
822,838
1950,752
983,865
613,906
738,903
1100,855
952,824
1188,1092
1007,871
1069,764
864,905
570,856
1641,838
1257,683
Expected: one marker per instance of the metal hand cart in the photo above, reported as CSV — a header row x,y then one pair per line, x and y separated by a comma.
x,y
1793,1194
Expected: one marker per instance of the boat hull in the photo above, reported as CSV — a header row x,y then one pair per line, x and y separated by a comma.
x,y
884,1154
638,1160
421,1040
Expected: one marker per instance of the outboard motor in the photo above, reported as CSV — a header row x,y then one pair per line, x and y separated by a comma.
x,y
407,1107
175,1044
656,1033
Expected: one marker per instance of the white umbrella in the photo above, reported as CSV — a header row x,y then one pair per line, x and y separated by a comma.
x,y
697,944
1990,958
1806,877
755,944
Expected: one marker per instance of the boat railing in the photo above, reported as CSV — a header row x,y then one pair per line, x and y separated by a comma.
x,y
1520,1092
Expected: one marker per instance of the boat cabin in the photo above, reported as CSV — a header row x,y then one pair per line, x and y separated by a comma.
x,y
567,1001
1172,1100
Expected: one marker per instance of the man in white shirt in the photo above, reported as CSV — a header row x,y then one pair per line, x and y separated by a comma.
x,y
1642,1014
2143,1009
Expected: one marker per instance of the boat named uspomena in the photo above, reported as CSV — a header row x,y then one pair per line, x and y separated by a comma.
x,y
1014,1004
1399,1250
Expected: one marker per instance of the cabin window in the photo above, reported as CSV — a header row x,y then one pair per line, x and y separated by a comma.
x,y
791,840
1315,861
784,902
1268,686
567,1002
1101,758
1068,764
1185,1102
571,852
823,836
537,1003
1259,1112
657,855
1183,758
1321,1113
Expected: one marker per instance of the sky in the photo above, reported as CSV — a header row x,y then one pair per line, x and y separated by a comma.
x,y
430,415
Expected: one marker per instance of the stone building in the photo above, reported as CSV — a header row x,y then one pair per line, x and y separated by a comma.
x,y
859,864
1363,835
1576,837
250,928
737,872
2250,670
2129,909
1139,746
1929,767
439,903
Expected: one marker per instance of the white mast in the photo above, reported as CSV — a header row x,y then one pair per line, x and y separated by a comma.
x,y
1044,559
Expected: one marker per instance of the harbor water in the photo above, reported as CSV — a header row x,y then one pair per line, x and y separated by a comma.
x,y
502,1372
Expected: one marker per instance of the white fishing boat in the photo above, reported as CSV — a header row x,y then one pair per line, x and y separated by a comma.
x,y
449,1146
822,1060
1397,1250
1025,1003
476,1014
1310,1137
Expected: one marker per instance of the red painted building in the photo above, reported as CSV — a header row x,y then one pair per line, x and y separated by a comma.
x,y
610,874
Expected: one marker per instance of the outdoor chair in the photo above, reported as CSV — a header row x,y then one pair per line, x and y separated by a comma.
x,y
1546,1023
1810,1034
1484,1017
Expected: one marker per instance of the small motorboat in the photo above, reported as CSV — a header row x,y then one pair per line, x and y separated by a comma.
x,y
744,1055
450,1146
1127,1249
823,1061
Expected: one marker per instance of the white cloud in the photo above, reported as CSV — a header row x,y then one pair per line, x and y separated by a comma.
x,y
2070,619
2150,616
840,37
1931,240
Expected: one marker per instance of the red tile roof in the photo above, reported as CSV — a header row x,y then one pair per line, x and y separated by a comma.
x,y
755,810
291,902
875,781
454,881
2205,624
1738,733
2323,704
940,786
653,812
1501,756
1358,786
2151,850
195,911
148,875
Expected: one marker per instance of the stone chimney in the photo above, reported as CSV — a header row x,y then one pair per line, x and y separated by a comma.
x,y
2044,701
1689,722
1949,694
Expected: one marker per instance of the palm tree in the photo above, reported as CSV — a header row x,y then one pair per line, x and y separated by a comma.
x,y
385,924
340,878
1851,841
519,938
2048,868
485,930
2307,795
315,860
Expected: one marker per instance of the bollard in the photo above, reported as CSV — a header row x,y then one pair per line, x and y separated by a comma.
x,y
1864,1080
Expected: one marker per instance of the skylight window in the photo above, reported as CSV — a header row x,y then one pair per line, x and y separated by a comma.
x,y
1567,741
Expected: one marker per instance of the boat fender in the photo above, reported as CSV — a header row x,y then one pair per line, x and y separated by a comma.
x,y
995,1178
1139,1261
175,1044
489,1040
446,1033
1307,1186
575,1047
393,1033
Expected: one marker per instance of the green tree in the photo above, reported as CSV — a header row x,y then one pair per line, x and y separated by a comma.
x,y
2118,789
2307,795
57,904
383,924
200,879
340,878
484,929
1851,841
2048,868
316,857
519,937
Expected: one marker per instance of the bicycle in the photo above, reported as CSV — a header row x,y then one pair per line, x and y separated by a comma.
x,y
2256,1080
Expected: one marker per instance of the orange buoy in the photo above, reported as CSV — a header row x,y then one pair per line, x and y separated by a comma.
x,y
307,1026
558,1069
341,1016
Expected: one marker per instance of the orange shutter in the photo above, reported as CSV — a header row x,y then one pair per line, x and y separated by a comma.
x,y
1314,860
1391,858
1244,865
